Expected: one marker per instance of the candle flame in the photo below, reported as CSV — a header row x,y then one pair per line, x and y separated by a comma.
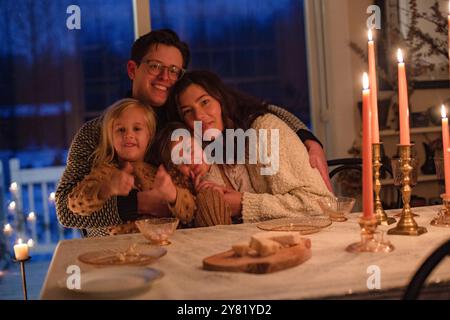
x,y
12,206
30,243
443,112
369,35
31,216
399,55
13,186
51,197
365,80
19,241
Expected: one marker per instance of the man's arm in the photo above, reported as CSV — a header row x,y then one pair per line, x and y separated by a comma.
x,y
317,157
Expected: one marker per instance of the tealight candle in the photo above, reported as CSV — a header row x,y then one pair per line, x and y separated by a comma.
x,y
21,250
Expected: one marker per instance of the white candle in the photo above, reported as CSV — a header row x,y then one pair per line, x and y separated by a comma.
x,y
32,220
12,206
30,243
21,250
13,188
51,197
7,229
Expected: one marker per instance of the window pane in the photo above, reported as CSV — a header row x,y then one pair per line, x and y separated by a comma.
x,y
256,46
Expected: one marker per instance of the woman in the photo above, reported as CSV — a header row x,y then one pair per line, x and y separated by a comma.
x,y
290,190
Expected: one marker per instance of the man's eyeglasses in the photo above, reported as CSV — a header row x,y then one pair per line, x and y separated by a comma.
x,y
155,68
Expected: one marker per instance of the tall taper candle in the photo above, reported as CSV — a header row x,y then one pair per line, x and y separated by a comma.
x,y
403,113
367,152
445,148
373,89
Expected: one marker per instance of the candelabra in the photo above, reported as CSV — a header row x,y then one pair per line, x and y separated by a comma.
x,y
371,239
380,214
406,225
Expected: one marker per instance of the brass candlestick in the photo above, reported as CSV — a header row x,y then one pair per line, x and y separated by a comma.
x,y
24,277
371,240
406,226
380,214
443,218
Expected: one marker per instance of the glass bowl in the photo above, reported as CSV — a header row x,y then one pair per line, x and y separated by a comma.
x,y
157,230
336,208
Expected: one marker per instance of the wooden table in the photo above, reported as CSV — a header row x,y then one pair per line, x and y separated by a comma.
x,y
331,272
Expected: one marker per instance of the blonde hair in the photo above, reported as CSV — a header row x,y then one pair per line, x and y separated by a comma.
x,y
105,152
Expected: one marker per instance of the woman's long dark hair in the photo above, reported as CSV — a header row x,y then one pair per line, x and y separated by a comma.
x,y
239,110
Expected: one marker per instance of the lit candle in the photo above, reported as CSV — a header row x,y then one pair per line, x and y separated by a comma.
x,y
367,151
21,250
12,206
51,197
373,89
13,188
403,100
7,229
32,220
445,146
30,243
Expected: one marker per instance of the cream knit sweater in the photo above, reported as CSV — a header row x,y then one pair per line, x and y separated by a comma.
x,y
294,189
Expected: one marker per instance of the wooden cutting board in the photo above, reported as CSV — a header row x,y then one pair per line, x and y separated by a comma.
x,y
283,259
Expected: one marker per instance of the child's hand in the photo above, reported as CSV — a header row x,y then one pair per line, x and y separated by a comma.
x,y
164,185
202,185
121,183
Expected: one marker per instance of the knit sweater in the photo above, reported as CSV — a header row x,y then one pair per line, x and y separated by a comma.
x,y
291,191
79,164
85,198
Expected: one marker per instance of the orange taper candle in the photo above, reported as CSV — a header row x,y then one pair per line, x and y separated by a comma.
x,y
367,151
373,89
403,100
445,148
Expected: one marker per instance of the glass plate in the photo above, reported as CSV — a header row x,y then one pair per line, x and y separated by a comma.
x,y
131,256
304,225
114,281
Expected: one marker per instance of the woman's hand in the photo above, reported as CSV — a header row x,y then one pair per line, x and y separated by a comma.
x,y
234,200
200,185
164,185
317,159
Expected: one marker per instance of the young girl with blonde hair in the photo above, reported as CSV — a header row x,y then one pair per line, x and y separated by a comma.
x,y
121,165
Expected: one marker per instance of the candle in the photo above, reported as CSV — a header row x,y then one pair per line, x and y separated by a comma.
x,y
21,250
367,151
445,146
30,243
7,229
12,206
32,220
51,197
373,89
13,188
403,101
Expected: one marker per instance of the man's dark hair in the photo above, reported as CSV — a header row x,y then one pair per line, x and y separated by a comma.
x,y
153,38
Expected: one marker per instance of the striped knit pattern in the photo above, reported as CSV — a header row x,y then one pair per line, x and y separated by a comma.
x,y
291,120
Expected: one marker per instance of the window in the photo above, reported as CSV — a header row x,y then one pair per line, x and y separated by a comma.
x,y
255,46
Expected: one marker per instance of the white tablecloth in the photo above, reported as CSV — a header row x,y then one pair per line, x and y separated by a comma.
x,y
330,272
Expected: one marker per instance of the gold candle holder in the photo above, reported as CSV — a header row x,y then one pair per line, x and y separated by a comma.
x,y
371,240
443,218
380,214
406,226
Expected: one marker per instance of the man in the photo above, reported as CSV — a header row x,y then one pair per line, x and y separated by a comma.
x,y
158,60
